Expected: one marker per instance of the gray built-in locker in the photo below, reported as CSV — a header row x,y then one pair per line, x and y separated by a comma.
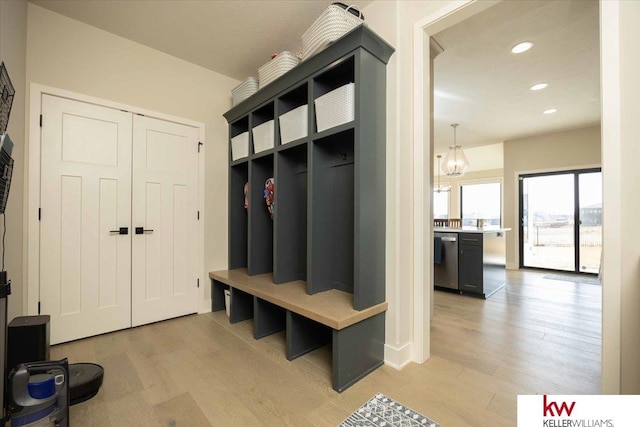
x,y
329,224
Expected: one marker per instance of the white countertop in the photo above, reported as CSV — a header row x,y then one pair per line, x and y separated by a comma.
x,y
483,230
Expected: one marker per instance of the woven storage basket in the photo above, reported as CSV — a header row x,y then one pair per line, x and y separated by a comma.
x,y
334,22
293,125
276,67
263,136
240,146
335,108
244,90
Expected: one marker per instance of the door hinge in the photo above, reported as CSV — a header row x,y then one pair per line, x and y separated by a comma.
x,y
40,120
198,215
198,282
39,214
199,144
38,307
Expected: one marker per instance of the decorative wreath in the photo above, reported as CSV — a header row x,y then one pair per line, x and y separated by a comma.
x,y
269,189
246,195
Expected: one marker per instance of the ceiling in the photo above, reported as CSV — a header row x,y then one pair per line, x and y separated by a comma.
x,y
485,88
479,83
231,37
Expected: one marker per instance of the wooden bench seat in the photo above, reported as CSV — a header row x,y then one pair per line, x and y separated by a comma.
x,y
310,321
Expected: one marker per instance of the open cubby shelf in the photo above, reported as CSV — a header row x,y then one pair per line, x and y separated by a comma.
x,y
327,238
291,220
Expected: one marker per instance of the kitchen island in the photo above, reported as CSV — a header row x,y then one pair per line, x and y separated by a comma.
x,y
470,260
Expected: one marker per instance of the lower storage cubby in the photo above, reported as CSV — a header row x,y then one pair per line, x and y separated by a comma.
x,y
305,335
241,306
217,295
267,318
356,338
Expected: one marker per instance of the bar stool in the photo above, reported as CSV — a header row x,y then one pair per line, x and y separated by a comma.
x,y
455,222
440,222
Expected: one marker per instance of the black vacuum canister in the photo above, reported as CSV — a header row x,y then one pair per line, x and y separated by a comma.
x,y
85,380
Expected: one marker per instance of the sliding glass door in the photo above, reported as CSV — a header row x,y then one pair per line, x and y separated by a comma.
x,y
561,220
590,231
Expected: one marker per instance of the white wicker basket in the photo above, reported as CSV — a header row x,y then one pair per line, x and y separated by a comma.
x,y
330,26
293,125
240,146
263,137
276,67
335,108
244,90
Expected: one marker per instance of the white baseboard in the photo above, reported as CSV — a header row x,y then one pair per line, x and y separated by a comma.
x,y
205,306
398,357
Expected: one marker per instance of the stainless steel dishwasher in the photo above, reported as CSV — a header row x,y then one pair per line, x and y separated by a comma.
x,y
446,272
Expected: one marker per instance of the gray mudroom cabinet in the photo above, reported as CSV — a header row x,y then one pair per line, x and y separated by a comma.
x,y
319,263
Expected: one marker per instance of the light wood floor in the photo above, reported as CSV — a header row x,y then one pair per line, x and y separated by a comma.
x,y
533,336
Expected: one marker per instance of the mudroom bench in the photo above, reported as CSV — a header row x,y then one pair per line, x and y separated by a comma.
x,y
309,321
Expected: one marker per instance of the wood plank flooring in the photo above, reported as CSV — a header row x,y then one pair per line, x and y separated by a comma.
x,y
534,336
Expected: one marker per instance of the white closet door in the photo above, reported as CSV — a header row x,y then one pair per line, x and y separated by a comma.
x,y
164,204
85,268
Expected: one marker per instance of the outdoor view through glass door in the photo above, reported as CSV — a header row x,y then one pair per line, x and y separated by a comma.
x,y
561,220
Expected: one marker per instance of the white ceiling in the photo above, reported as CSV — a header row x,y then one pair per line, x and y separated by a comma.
x,y
485,88
233,38
479,83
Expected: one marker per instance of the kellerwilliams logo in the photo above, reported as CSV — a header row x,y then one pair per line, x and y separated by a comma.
x,y
578,411
549,407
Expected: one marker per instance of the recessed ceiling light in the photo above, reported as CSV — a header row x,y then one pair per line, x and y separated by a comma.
x,y
539,86
521,47
550,111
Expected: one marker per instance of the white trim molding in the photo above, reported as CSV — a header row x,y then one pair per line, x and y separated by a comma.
x,y
422,116
398,357
612,177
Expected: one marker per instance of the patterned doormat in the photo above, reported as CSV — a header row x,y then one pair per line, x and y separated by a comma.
x,y
577,278
382,411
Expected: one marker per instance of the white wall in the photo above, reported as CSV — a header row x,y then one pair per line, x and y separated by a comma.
x,y
67,54
13,48
620,153
485,164
382,17
395,21
477,177
630,186
573,149
484,158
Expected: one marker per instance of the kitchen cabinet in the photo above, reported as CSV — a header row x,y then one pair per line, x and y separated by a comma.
x,y
470,264
481,260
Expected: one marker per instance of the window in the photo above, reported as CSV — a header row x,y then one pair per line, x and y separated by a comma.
x,y
440,205
480,201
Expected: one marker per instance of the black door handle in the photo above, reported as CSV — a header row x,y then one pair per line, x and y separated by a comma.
x,y
121,230
141,230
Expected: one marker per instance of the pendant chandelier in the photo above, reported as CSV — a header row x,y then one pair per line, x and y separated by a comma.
x,y
441,188
455,163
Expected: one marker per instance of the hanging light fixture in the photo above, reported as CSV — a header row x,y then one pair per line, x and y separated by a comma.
x,y
441,188
456,163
